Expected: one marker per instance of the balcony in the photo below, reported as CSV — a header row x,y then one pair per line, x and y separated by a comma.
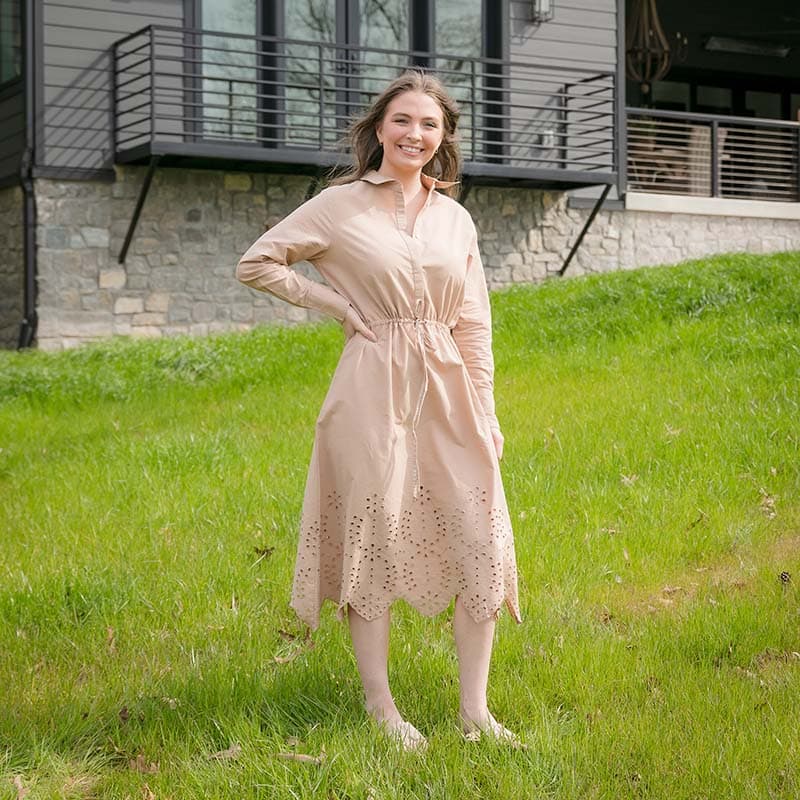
x,y
699,155
197,98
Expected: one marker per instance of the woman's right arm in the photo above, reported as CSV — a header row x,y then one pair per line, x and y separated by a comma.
x,y
303,235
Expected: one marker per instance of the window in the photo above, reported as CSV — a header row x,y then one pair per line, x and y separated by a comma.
x,y
10,40
320,60
229,70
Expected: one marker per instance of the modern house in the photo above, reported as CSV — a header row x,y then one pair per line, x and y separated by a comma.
x,y
144,144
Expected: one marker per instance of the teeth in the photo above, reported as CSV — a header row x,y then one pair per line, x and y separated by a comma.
x,y
411,149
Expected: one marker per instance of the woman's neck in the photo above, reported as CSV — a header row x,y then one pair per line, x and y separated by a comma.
x,y
411,183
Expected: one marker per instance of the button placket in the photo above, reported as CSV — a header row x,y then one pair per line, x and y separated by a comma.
x,y
417,311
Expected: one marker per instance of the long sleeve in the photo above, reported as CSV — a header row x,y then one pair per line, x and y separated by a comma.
x,y
473,334
303,235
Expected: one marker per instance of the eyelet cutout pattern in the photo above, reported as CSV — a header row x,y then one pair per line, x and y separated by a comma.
x,y
426,555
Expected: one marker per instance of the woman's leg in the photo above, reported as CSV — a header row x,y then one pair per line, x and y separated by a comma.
x,y
474,642
371,646
474,649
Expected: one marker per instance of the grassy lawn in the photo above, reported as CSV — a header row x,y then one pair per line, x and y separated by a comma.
x,y
150,492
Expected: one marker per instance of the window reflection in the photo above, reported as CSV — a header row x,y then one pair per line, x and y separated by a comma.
x,y
310,111
303,89
229,70
458,30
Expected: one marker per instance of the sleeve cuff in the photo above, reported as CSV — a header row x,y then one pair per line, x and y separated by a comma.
x,y
328,301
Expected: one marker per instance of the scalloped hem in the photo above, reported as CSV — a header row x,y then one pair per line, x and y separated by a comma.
x,y
313,620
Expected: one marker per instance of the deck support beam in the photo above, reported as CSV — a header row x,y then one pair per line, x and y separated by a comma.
x,y
585,228
148,178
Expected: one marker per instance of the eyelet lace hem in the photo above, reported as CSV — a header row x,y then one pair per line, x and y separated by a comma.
x,y
426,556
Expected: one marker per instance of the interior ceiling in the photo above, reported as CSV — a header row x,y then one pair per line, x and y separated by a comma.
x,y
776,21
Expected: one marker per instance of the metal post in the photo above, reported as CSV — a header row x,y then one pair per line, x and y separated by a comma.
x,y
152,88
30,319
138,210
589,221
797,189
715,160
473,154
321,64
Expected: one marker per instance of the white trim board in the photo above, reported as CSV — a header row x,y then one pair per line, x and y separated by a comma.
x,y
715,206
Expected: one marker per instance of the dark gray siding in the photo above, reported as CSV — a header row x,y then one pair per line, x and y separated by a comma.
x,y
12,129
77,74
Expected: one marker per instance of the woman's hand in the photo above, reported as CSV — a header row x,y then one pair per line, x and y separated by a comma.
x,y
352,324
497,437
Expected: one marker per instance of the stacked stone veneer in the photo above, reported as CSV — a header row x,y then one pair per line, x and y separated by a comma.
x,y
179,273
12,267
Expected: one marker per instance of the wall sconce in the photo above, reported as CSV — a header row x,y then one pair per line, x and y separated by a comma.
x,y
542,10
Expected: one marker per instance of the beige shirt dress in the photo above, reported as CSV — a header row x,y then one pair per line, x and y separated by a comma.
x,y
404,496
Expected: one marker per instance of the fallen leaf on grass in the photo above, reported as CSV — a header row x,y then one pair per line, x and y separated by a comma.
x,y
139,764
303,757
694,523
768,505
628,480
18,785
147,793
80,784
111,642
124,714
307,643
231,754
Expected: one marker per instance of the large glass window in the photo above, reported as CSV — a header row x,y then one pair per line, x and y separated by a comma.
x,y
317,61
10,40
309,71
764,105
229,69
457,33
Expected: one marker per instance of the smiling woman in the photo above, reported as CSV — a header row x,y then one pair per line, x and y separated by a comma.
x,y
404,496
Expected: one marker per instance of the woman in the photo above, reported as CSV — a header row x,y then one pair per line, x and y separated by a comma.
x,y
404,497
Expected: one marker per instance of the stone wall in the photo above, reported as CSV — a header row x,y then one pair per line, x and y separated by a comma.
x,y
178,277
179,273
12,266
526,236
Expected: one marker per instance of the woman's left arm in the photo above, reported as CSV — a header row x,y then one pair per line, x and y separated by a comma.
x,y
473,336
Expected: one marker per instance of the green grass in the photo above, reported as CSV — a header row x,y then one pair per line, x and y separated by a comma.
x,y
652,468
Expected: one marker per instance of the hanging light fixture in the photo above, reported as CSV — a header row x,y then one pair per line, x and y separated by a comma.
x,y
543,10
647,52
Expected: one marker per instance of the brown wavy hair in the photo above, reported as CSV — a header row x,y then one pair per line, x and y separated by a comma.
x,y
362,139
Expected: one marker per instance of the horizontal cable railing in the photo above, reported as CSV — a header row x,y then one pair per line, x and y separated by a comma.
x,y
713,156
179,86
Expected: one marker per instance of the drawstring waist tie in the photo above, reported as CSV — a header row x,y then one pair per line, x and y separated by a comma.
x,y
423,342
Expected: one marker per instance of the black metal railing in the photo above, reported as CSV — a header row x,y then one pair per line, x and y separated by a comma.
x,y
712,156
188,90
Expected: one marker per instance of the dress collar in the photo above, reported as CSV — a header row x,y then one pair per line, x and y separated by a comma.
x,y
373,176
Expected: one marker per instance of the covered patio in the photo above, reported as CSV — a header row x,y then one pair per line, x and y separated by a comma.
x,y
713,99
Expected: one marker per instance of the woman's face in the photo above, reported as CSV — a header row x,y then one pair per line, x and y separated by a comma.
x,y
411,130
